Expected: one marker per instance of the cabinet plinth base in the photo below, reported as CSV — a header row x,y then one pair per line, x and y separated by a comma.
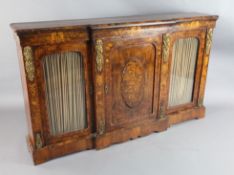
x,y
118,136
59,149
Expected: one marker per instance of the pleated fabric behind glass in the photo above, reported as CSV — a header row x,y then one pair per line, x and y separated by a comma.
x,y
65,92
182,76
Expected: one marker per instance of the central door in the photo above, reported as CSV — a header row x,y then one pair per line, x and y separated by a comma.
x,y
130,82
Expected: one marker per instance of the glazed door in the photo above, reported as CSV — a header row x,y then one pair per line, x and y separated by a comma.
x,y
128,84
64,83
185,59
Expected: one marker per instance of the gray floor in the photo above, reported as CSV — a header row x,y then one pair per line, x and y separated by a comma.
x,y
195,147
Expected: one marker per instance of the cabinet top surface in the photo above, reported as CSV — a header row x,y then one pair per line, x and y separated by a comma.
x,y
113,22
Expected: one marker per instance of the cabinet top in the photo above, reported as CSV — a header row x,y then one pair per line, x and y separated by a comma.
x,y
112,22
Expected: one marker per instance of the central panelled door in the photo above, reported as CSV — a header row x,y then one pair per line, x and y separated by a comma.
x,y
131,81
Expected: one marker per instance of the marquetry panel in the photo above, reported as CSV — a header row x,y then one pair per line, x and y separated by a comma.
x,y
130,83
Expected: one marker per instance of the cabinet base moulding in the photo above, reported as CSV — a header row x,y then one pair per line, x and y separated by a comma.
x,y
118,136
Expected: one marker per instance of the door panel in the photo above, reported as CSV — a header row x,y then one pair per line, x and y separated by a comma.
x,y
184,56
64,85
184,73
65,92
130,78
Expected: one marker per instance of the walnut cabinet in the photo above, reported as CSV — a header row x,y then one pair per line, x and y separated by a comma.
x,y
96,82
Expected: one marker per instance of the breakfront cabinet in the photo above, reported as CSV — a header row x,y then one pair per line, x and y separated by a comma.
x,y
96,82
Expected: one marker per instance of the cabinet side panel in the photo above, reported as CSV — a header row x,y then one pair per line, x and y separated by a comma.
x,y
25,90
209,35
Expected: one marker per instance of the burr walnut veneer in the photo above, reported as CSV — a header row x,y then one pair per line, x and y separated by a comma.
x,y
92,83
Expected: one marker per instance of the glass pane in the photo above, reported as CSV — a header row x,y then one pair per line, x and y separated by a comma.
x,y
182,76
65,92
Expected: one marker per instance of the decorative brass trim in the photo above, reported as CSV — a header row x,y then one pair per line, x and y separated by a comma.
x,y
101,127
161,113
57,37
38,141
93,135
99,55
29,64
209,40
200,102
166,46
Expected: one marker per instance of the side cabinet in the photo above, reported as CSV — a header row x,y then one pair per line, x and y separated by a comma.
x,y
185,56
185,60
57,86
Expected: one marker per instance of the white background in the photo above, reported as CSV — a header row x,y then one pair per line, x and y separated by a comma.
x,y
195,147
